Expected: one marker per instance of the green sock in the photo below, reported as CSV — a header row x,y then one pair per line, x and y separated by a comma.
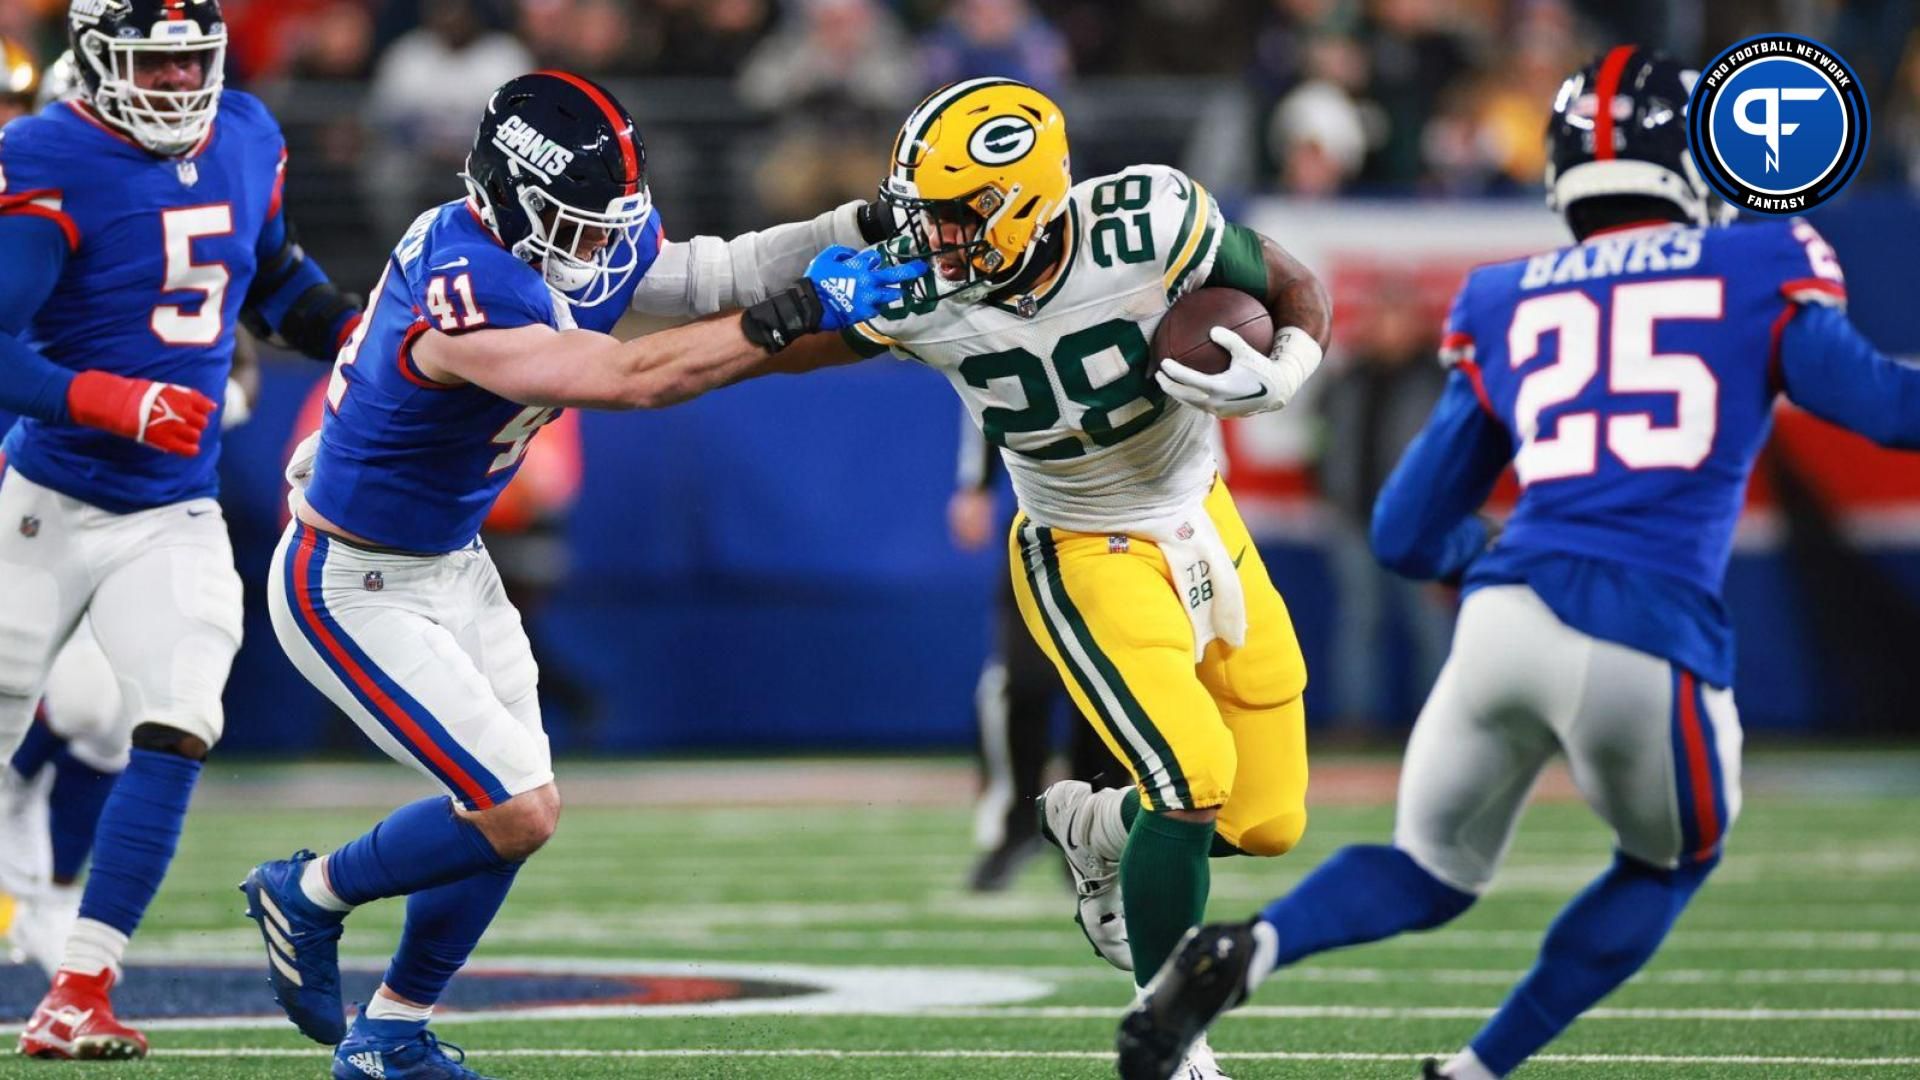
x,y
1224,850
1164,877
1130,807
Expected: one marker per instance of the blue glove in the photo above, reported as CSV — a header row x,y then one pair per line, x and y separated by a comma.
x,y
854,285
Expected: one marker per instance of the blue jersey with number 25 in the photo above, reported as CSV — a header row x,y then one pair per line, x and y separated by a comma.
x,y
1631,382
413,464
161,253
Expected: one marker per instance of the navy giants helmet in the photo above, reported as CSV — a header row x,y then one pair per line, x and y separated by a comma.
x,y
559,174
1636,145
112,40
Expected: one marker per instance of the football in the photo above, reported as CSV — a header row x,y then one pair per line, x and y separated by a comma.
x,y
1182,334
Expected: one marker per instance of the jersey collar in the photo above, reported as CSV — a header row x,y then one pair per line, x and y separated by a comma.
x,y
86,112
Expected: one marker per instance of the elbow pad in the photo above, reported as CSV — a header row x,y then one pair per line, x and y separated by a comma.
x,y
292,302
315,323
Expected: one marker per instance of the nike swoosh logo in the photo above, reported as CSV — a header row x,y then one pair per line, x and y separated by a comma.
x,y
1237,558
1260,393
455,264
198,513
1181,190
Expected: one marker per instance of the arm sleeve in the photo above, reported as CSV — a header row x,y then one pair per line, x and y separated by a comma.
x,y
34,251
293,297
1423,522
1833,372
707,274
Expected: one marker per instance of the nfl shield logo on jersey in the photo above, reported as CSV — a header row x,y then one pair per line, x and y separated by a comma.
x,y
374,581
29,526
1117,545
189,173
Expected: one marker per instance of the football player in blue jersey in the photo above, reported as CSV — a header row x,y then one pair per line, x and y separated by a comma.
x,y
490,317
1630,381
137,224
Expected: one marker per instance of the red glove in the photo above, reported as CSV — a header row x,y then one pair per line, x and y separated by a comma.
x,y
165,416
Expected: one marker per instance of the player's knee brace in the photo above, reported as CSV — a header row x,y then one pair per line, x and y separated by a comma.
x,y
1274,836
163,739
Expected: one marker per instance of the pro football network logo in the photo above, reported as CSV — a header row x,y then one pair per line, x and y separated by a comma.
x,y
1778,124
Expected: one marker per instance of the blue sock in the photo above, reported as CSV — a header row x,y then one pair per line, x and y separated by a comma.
x,y
443,925
139,830
1361,894
419,846
36,748
1595,944
79,795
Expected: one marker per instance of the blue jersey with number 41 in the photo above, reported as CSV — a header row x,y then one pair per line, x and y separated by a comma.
x,y
413,464
160,256
1630,381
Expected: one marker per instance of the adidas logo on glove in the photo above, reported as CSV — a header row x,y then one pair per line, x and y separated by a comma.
x,y
841,290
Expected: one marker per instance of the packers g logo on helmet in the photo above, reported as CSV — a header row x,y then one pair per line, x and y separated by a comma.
x,y
980,168
1002,140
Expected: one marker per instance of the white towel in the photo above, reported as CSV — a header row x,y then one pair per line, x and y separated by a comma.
x,y
300,472
1204,577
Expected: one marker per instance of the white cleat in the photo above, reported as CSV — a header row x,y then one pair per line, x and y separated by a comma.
x,y
1067,814
41,925
1200,1064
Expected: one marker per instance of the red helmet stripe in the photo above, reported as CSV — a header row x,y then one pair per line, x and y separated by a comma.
x,y
629,154
1606,86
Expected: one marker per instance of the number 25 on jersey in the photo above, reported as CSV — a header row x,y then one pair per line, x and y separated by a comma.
x,y
1632,368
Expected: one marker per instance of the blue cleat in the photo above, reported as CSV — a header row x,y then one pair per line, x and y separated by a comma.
x,y
303,947
397,1050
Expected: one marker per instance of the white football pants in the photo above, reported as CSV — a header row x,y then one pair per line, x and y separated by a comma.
x,y
1654,751
423,652
158,587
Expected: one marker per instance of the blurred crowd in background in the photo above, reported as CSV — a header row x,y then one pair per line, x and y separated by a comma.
x,y
1307,97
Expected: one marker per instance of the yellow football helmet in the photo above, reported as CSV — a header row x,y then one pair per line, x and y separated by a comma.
x,y
980,170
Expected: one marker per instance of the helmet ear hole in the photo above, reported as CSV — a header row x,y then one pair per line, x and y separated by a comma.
x,y
1026,209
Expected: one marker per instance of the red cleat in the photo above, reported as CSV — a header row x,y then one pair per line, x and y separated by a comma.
x,y
75,1021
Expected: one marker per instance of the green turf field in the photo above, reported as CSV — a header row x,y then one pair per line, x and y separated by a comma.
x,y
1800,960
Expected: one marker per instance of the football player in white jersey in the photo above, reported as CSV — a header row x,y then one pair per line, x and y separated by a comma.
x,y
1131,566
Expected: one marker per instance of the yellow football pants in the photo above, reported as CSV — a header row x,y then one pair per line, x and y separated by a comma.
x,y
1228,732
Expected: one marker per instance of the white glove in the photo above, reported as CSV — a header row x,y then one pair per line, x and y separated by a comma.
x,y
1253,383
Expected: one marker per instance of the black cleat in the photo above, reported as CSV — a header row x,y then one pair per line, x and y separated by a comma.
x,y
1208,973
1430,1070
997,869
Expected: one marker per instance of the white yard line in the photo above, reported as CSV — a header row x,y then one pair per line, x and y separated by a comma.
x,y
829,1006
1426,1012
1082,1055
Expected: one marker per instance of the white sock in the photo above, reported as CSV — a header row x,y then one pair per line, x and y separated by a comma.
x,y
313,884
1108,836
94,947
1466,1066
383,1007
1266,954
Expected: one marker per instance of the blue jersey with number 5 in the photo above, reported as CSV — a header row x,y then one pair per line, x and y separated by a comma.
x,y
1631,381
413,464
161,253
